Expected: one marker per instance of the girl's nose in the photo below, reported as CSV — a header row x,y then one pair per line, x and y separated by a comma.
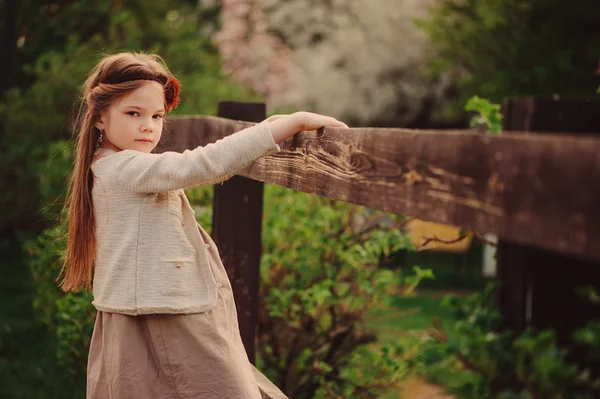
x,y
146,127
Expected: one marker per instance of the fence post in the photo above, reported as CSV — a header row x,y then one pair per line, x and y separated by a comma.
x,y
236,229
538,286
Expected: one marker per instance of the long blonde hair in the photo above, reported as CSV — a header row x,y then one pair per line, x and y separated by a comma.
x,y
112,78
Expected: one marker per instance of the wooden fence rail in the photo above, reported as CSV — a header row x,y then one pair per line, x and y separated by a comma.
x,y
538,190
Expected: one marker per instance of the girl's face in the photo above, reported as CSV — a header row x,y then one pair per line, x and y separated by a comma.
x,y
135,121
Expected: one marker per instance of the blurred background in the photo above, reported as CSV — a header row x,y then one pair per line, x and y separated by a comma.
x,y
379,63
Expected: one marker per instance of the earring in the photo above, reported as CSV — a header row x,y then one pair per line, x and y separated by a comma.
x,y
100,137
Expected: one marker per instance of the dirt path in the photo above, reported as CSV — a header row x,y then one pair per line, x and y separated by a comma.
x,y
416,388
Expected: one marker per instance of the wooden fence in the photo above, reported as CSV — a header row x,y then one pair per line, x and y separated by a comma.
x,y
540,193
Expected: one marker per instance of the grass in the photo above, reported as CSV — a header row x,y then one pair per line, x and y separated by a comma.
x,y
414,313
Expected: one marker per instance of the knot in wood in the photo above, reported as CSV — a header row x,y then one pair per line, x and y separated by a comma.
x,y
494,184
412,177
360,161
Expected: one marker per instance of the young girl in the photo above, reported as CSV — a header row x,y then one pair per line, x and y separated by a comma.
x,y
166,325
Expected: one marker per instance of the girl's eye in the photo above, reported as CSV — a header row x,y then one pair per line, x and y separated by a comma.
x,y
135,113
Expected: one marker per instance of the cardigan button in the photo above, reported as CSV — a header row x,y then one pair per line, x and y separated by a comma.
x,y
207,245
178,265
219,285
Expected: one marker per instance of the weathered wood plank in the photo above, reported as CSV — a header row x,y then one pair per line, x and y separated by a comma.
x,y
541,190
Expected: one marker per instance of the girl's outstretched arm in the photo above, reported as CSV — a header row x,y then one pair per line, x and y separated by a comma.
x,y
210,164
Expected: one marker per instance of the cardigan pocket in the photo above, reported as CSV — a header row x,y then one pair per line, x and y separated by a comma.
x,y
178,276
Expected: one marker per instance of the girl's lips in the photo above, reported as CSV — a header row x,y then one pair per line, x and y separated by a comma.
x,y
145,141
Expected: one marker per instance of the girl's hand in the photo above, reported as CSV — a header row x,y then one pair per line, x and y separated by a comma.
x,y
284,126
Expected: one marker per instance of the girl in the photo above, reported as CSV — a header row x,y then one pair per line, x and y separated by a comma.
x,y
166,325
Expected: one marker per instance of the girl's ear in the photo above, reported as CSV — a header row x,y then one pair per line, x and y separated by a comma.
x,y
99,124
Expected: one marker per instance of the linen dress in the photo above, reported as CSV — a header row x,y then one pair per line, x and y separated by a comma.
x,y
176,356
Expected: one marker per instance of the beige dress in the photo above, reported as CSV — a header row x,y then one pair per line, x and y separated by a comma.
x,y
175,356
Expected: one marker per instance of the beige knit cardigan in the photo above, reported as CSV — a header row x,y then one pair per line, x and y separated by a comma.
x,y
150,255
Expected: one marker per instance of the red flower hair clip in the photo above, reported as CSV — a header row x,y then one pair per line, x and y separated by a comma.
x,y
172,90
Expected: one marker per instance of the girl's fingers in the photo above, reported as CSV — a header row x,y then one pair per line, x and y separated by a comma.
x,y
316,121
337,123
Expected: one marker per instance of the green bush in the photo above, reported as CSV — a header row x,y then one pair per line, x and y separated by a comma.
x,y
515,48
476,359
320,274
28,365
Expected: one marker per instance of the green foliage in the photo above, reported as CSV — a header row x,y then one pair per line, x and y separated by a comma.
x,y
488,118
320,275
366,372
590,293
28,365
37,112
500,49
589,336
474,358
69,317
